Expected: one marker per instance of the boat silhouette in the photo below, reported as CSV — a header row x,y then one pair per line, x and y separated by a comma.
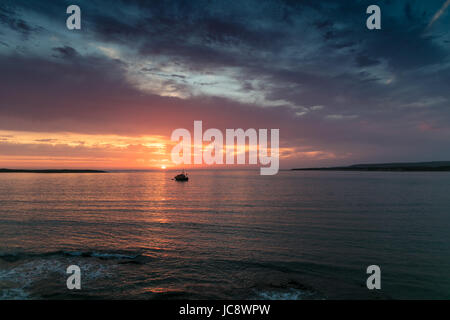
x,y
182,176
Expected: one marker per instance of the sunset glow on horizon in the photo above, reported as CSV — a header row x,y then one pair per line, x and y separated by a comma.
x,y
76,151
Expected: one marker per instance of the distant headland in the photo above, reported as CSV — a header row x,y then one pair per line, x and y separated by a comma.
x,y
400,166
3,170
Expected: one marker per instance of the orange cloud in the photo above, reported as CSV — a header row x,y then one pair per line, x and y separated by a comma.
x,y
73,150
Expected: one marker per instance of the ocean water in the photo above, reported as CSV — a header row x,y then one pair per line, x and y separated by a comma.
x,y
225,235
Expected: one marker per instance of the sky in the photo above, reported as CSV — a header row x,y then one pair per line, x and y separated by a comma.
x,y
110,95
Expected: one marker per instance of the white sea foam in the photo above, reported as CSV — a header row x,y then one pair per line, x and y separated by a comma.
x,y
290,294
105,255
19,280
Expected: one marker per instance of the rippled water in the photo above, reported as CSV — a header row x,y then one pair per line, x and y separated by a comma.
x,y
225,234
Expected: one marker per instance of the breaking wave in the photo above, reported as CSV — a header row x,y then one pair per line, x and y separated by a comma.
x,y
104,255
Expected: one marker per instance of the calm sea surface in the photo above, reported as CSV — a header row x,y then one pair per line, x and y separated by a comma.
x,y
225,234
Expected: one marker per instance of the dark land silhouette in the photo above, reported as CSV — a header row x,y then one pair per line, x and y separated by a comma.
x,y
400,166
3,170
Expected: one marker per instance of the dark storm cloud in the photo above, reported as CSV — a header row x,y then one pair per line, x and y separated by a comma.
x,y
9,19
200,32
365,61
65,52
